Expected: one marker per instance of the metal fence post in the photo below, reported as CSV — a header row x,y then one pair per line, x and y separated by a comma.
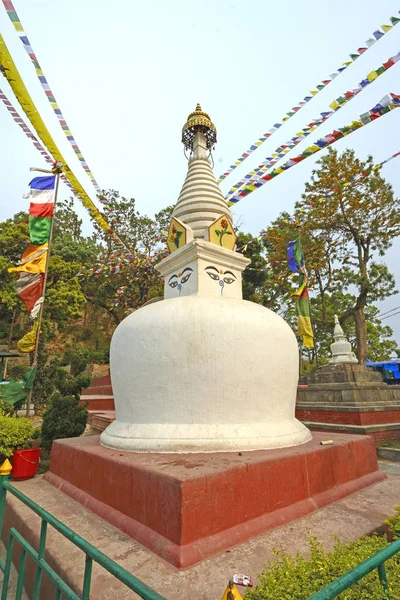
x,y
5,470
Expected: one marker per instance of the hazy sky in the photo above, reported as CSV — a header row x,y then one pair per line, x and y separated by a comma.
x,y
126,74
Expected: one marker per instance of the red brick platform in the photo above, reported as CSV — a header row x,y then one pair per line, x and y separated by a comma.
x,y
186,507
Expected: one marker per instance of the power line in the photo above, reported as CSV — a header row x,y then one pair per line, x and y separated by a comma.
x,y
388,317
387,312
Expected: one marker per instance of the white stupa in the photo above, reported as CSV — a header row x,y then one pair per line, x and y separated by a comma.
x,y
203,370
341,349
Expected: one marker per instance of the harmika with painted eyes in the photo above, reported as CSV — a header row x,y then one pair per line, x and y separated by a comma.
x,y
224,277
179,279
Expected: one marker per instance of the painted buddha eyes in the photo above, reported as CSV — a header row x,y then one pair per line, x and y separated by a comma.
x,y
177,280
224,277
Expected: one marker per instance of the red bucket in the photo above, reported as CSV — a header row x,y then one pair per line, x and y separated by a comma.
x,y
25,463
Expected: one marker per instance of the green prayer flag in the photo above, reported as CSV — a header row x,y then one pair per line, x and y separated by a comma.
x,y
16,391
39,230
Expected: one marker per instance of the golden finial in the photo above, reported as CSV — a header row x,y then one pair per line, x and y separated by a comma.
x,y
198,121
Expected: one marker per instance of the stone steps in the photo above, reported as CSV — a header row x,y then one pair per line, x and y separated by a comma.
x,y
101,420
99,395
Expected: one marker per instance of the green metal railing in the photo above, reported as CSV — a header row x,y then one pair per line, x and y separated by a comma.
x,y
62,589
351,577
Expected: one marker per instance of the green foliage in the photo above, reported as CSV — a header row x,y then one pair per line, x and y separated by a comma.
x,y
36,433
15,433
298,578
66,417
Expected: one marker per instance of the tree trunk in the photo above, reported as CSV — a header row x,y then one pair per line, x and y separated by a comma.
x,y
361,333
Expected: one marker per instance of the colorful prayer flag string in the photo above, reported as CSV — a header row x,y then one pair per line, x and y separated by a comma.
x,y
30,110
388,103
293,218
377,35
12,13
21,123
336,105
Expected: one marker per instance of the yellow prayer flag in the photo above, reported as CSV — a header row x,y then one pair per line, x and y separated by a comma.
x,y
347,64
334,105
314,92
371,76
279,170
258,143
33,260
39,72
386,28
28,342
313,148
18,26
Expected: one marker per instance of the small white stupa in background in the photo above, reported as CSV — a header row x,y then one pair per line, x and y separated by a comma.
x,y
341,347
203,370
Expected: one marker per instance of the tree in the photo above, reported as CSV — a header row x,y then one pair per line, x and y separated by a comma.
x,y
362,220
125,278
14,233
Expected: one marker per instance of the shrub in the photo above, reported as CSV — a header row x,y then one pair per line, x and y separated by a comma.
x,y
15,433
65,417
297,578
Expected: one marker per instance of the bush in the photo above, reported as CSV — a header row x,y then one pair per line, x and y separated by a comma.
x,y
65,417
297,578
15,433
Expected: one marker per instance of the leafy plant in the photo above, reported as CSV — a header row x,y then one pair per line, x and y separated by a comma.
x,y
65,417
297,578
15,433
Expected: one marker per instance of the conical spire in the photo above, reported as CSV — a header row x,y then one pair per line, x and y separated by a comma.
x,y
201,201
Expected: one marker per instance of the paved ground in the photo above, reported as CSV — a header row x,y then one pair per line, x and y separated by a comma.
x,y
389,467
348,519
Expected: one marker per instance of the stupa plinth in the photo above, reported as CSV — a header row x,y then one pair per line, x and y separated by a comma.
x,y
347,397
205,451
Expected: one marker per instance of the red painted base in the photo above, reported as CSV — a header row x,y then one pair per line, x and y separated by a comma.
x,y
186,507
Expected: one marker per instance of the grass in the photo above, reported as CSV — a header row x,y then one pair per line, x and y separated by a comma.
x,y
391,444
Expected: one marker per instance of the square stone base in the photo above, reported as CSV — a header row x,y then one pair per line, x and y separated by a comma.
x,y
186,507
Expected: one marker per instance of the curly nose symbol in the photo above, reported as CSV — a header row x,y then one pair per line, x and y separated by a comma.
x,y
221,283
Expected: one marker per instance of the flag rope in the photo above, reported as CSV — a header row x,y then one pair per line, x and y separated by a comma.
x,y
388,103
336,105
15,20
18,87
347,183
377,35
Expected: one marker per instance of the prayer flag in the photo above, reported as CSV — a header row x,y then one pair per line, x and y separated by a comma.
x,y
41,208
305,329
28,342
29,288
33,260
